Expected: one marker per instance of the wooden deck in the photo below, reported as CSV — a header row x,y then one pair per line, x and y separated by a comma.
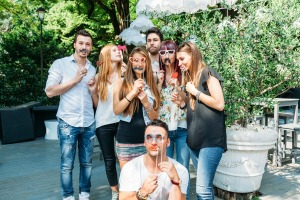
x,y
30,171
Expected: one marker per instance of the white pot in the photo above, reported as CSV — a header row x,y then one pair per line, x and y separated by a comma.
x,y
242,166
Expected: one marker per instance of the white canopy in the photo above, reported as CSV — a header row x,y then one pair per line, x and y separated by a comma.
x,y
168,7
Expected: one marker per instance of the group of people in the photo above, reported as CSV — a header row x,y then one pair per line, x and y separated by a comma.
x,y
167,103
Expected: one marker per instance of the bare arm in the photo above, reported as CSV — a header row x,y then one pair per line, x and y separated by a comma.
x,y
175,193
121,104
93,90
169,168
59,89
127,195
216,100
152,114
148,187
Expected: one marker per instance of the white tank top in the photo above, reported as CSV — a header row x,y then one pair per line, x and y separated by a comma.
x,y
105,113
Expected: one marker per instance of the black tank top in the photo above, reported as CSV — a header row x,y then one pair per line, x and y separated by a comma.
x,y
206,126
132,132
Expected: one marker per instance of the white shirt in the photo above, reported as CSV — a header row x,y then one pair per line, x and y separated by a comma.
x,y
134,173
75,106
105,113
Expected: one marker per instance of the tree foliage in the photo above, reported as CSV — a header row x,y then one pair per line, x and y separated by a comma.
x,y
20,72
254,46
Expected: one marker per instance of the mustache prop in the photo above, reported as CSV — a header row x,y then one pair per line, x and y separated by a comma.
x,y
137,68
167,61
83,50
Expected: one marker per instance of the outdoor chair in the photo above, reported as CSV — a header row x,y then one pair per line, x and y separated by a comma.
x,y
16,124
287,131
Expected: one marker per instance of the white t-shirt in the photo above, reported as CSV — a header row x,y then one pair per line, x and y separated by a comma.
x,y
134,173
105,113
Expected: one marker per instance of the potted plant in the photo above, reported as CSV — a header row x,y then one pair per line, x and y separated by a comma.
x,y
255,48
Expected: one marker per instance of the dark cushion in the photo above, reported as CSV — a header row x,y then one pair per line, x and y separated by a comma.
x,y
16,124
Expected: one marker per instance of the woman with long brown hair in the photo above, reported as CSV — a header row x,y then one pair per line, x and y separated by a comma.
x,y
136,102
109,65
205,116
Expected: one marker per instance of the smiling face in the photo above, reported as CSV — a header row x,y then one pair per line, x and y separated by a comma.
x,y
83,46
184,60
156,140
115,54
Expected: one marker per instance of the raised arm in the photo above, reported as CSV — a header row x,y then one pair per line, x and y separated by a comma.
x,y
216,100
121,104
148,187
175,192
93,90
58,89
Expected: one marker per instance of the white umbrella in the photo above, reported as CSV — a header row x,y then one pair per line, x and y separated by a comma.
x,y
133,36
168,7
142,23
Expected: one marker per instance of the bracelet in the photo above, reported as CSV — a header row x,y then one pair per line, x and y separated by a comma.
x,y
197,95
139,195
185,105
176,183
127,99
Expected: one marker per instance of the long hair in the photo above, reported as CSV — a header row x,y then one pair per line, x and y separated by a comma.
x,y
130,77
104,70
169,45
197,64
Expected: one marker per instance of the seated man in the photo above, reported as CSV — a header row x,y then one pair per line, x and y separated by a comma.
x,y
154,175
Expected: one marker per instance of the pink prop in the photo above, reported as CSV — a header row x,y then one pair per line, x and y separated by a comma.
x,y
122,47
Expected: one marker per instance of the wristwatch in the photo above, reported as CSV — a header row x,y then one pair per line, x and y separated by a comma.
x,y
140,196
176,183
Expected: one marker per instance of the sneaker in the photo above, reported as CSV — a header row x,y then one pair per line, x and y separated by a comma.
x,y
114,195
69,198
84,196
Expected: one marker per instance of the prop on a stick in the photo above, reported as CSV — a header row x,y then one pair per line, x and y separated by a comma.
x,y
173,76
123,49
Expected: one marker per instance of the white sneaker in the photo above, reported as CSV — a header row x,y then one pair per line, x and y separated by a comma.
x,y
69,198
84,196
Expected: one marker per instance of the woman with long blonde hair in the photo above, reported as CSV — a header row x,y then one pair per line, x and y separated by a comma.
x,y
109,65
205,116
136,102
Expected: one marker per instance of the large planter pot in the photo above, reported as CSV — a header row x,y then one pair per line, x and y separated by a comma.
x,y
242,166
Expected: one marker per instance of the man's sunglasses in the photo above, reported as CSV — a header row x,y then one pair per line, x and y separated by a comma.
x,y
150,137
164,52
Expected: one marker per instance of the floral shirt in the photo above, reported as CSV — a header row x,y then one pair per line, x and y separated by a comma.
x,y
169,111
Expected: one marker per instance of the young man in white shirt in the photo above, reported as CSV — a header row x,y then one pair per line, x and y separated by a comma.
x,y
154,175
69,78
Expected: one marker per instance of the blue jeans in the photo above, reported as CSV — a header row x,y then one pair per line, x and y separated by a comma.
x,y
208,161
69,136
178,143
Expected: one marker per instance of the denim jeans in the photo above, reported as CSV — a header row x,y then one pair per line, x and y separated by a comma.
x,y
69,136
178,143
208,160
106,136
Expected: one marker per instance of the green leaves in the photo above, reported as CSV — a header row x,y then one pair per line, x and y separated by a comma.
x,y
255,48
